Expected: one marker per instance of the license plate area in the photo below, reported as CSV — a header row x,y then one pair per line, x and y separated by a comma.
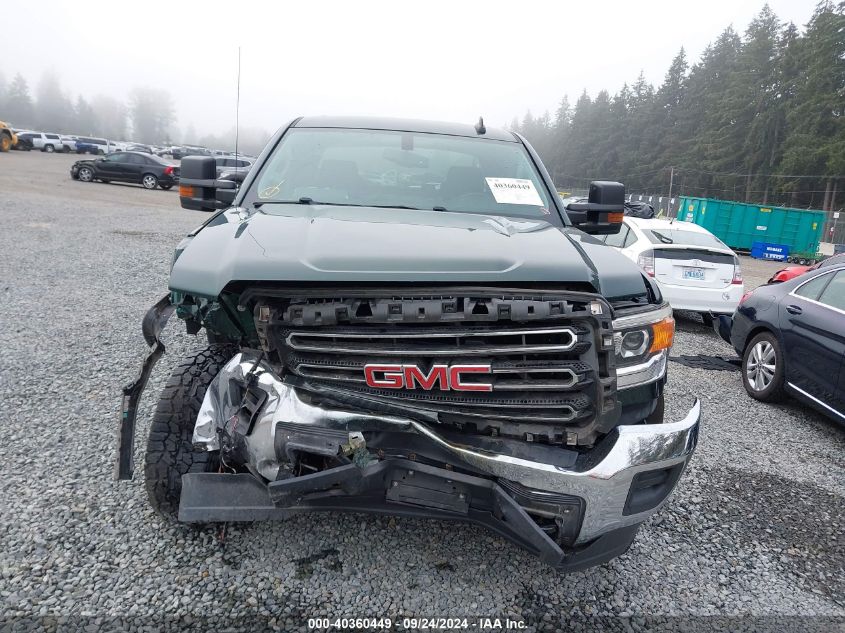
x,y
693,273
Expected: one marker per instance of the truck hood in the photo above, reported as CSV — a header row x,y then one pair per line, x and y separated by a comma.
x,y
319,243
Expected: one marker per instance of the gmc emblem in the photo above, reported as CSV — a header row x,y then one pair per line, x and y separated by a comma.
x,y
445,377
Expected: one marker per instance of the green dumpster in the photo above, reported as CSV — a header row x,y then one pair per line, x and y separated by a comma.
x,y
739,225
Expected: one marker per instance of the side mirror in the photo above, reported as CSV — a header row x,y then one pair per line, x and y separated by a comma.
x,y
226,191
199,188
604,210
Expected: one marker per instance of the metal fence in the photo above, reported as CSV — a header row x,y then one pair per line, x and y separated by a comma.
x,y
834,231
664,206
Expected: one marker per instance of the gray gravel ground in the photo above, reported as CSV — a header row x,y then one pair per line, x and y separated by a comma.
x,y
756,528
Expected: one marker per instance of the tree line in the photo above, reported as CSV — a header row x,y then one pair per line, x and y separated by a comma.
x,y
149,111
147,116
759,118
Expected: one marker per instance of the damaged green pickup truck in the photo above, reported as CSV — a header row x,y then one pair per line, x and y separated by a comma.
x,y
404,318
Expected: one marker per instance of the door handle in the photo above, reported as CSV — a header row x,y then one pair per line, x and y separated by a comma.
x,y
793,309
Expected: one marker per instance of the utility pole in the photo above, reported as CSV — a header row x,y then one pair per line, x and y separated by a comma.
x,y
671,180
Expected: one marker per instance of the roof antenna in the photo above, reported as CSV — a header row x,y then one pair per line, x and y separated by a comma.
x,y
479,127
238,105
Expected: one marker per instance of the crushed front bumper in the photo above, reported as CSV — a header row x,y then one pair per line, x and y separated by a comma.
x,y
396,487
599,497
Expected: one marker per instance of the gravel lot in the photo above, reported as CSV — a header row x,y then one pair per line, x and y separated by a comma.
x,y
756,528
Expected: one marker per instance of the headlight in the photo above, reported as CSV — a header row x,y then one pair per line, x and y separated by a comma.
x,y
640,343
631,344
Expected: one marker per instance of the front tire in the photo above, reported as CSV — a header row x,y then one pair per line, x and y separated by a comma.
x,y
85,174
170,452
763,368
149,181
49,149
5,142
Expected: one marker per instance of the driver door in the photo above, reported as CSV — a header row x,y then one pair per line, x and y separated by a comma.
x,y
111,167
812,320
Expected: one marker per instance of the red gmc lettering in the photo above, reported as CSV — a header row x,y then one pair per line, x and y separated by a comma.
x,y
411,377
455,378
414,374
392,376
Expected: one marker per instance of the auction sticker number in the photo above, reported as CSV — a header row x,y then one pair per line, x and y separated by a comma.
x,y
514,191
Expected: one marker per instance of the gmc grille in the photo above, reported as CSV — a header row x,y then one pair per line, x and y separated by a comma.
x,y
546,365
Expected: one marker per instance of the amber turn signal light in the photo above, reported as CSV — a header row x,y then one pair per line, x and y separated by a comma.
x,y
615,218
186,191
662,335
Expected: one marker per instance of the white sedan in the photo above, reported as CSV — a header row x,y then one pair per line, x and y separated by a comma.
x,y
694,269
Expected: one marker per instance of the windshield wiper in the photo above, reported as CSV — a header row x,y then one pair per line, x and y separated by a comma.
x,y
662,238
303,200
307,200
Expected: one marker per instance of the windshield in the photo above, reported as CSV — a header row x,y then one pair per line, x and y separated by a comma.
x,y
684,238
402,169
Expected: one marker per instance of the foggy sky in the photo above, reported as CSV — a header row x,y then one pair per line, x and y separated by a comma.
x,y
435,60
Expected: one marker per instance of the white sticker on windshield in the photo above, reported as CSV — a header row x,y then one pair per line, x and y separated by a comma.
x,y
514,191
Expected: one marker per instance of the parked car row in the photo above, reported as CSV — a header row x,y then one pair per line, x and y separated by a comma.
x,y
787,332
50,142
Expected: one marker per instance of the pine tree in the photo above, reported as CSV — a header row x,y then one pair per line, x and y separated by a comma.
x,y
816,140
752,98
84,119
19,111
53,111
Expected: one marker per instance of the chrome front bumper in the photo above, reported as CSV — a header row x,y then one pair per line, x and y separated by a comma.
x,y
603,477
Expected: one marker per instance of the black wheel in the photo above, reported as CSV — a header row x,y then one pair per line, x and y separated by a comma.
x,y
166,187
49,149
149,181
763,368
170,452
5,142
85,174
707,318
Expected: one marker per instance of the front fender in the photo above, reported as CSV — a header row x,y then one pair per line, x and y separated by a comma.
x,y
152,326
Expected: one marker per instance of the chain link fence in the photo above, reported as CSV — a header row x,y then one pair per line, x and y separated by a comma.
x,y
664,206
